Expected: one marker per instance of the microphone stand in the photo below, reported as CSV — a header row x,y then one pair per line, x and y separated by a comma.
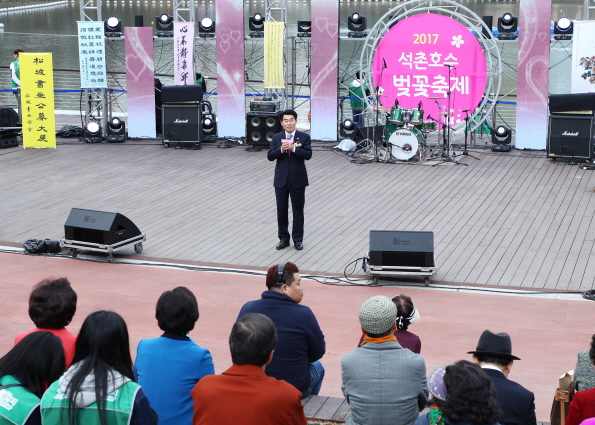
x,y
572,161
466,130
376,158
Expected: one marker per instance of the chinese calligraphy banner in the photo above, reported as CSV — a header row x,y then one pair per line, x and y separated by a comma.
x,y
183,53
231,99
583,58
140,83
533,75
324,71
37,100
92,55
273,55
424,56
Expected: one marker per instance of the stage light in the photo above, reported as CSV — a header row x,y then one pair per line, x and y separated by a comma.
x,y
501,138
164,24
357,24
256,25
348,129
563,29
507,26
112,27
116,130
206,28
92,132
304,28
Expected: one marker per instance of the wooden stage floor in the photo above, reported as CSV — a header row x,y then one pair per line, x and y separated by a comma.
x,y
508,219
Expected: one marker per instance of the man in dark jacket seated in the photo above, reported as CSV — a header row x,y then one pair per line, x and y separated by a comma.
x,y
301,342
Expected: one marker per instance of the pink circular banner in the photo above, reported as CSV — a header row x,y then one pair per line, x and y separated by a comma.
x,y
417,52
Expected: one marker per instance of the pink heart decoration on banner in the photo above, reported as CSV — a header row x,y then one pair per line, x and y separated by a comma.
x,y
224,45
542,36
236,36
313,46
321,24
332,29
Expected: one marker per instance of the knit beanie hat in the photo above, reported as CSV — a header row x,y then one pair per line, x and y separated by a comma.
x,y
377,315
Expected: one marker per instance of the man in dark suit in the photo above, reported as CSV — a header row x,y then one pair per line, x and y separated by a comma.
x,y
290,148
494,355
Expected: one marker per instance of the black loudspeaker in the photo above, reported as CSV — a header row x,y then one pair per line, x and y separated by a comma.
x,y
181,94
138,20
99,227
8,117
489,21
570,136
182,124
261,127
401,248
8,139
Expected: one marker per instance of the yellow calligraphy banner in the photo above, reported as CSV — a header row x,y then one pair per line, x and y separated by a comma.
x,y
37,100
273,55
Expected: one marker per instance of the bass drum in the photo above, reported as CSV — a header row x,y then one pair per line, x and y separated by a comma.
x,y
404,143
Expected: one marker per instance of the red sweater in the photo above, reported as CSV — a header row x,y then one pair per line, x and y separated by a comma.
x,y
68,341
246,395
582,407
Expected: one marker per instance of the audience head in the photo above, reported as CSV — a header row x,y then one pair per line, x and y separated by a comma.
x,y
406,312
470,395
289,284
592,350
377,316
52,303
252,340
177,311
494,349
16,52
37,360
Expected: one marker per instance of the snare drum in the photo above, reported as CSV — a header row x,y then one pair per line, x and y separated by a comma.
x,y
404,143
417,116
429,125
396,115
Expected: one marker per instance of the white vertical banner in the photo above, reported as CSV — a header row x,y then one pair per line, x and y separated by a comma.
x,y
183,53
583,57
92,55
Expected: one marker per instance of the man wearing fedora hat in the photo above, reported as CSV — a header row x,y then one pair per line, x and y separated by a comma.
x,y
494,355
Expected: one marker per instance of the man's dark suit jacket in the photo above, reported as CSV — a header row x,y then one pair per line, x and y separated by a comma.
x,y
517,403
290,165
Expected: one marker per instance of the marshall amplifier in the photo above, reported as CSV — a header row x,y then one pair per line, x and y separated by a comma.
x,y
181,94
182,124
572,104
570,136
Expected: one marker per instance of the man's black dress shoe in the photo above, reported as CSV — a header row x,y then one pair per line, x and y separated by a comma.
x,y
282,244
299,246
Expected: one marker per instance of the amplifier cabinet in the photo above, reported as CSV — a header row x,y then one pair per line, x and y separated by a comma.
x,y
570,136
182,124
261,127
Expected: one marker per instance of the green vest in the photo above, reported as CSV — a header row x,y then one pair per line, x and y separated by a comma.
x,y
358,92
17,70
16,403
118,406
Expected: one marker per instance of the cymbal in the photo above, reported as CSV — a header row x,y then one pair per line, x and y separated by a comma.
x,y
383,95
436,98
380,108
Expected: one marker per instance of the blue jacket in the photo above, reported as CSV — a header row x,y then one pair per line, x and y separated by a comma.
x,y
301,341
168,369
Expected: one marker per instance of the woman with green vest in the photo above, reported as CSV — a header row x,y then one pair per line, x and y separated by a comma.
x,y
99,388
25,373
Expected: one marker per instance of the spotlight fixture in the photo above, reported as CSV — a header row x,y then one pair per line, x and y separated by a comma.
x,y
304,28
92,132
507,26
357,24
563,29
348,129
206,28
116,130
164,24
501,138
112,27
256,25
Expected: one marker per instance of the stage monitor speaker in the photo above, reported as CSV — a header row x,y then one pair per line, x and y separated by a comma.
x,y
570,136
8,117
99,227
181,94
261,127
8,139
401,248
182,123
489,21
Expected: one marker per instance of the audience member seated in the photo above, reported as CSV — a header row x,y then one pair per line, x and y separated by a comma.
x,y
494,355
584,372
462,394
406,314
99,387
244,394
168,367
581,407
52,305
24,374
383,382
301,342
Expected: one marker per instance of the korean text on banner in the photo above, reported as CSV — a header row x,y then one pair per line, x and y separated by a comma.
x,y
273,55
183,53
583,58
37,100
92,55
